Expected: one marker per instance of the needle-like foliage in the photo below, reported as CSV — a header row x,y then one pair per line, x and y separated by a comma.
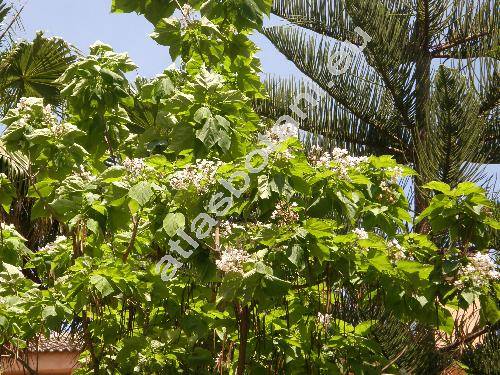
x,y
425,89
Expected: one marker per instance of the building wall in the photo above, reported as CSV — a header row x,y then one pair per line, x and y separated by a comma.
x,y
49,363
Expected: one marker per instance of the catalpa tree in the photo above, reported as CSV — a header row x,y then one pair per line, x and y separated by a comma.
x,y
172,230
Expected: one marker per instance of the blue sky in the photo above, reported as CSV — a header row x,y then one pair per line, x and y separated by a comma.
x,y
82,22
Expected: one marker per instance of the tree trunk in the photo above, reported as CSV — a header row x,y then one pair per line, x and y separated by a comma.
x,y
242,352
422,96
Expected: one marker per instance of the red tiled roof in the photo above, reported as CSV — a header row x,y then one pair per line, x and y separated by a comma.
x,y
56,343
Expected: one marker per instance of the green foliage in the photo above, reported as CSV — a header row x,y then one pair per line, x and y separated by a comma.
x,y
407,93
287,261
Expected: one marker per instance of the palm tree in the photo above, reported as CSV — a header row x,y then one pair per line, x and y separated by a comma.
x,y
27,69
425,88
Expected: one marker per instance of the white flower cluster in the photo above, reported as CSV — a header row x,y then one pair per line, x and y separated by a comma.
x,y
385,187
227,228
8,227
480,270
186,10
318,157
48,114
397,251
341,156
280,133
22,104
156,345
86,175
53,245
260,225
338,159
59,129
361,233
284,213
324,319
232,260
396,174
26,104
284,155
200,175
388,192
29,109
136,167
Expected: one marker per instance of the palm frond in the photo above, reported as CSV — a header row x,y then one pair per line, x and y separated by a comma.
x,y
32,68
15,166
9,21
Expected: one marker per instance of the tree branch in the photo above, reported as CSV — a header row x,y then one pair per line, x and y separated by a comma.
x,y
465,340
11,23
435,51
18,359
135,221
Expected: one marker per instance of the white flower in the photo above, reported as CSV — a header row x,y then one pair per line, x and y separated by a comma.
x,y
338,159
280,133
155,344
53,245
59,129
232,260
396,174
385,187
29,112
324,319
480,270
8,227
284,213
227,228
25,103
86,175
186,9
388,192
284,155
136,167
397,251
260,225
201,175
361,233
22,104
318,157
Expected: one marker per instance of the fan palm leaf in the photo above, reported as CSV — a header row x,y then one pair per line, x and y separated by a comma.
x,y
32,69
